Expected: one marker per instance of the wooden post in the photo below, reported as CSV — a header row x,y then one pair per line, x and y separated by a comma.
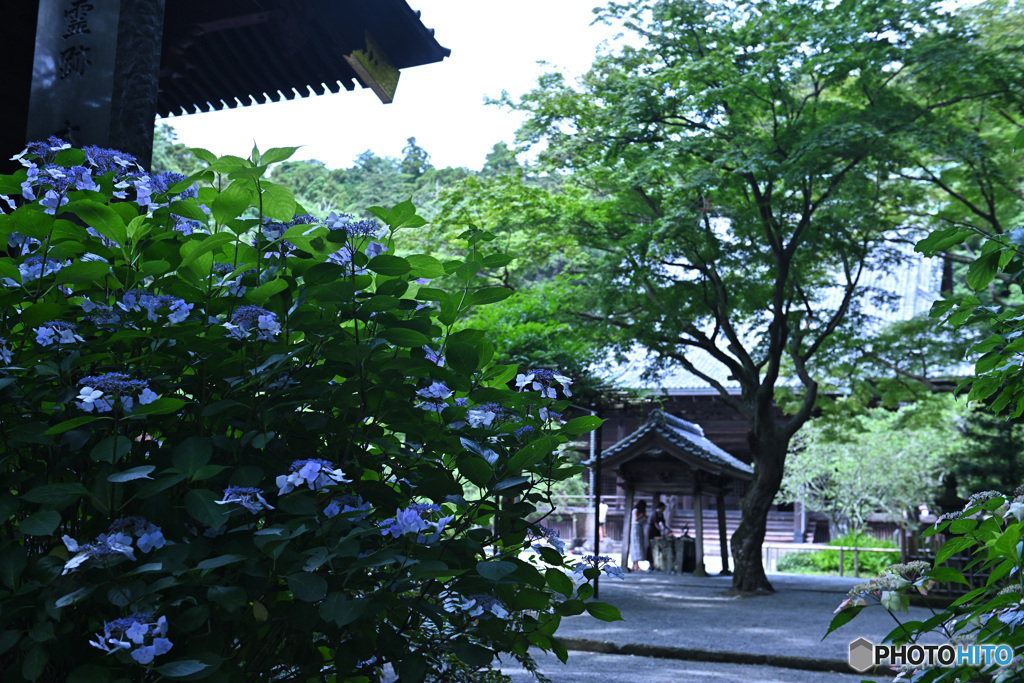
x,y
840,561
698,522
627,528
723,532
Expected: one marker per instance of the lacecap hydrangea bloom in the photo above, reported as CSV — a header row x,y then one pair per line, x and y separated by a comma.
x,y
117,542
313,472
57,333
543,381
248,497
602,562
249,319
415,519
101,392
138,634
434,396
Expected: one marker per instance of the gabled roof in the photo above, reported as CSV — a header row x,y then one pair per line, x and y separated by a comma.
x,y
912,288
228,53
677,437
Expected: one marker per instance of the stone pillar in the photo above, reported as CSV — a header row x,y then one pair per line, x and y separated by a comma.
x,y
723,532
95,73
799,522
627,527
698,523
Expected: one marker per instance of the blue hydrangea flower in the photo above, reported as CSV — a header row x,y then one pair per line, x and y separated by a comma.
x,y
551,536
138,633
433,356
44,150
188,226
159,183
314,472
413,519
602,562
248,319
177,309
56,333
543,380
150,535
475,606
5,352
105,549
342,505
35,267
248,497
124,166
112,387
99,314
434,396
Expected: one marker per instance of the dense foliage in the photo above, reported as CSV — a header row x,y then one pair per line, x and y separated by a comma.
x,y
243,443
743,163
878,462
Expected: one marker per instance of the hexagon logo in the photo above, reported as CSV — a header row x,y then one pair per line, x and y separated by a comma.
x,y
861,655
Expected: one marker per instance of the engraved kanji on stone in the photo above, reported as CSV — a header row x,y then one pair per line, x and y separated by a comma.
x,y
75,59
76,19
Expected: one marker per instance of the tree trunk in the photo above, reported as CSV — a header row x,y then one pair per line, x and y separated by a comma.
x,y
769,453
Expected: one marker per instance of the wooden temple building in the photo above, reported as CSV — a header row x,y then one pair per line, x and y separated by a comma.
x,y
97,72
669,456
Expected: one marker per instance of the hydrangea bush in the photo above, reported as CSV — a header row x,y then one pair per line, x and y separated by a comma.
x,y
989,531
241,443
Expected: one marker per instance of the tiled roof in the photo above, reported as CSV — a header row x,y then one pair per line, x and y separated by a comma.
x,y
913,286
233,52
685,435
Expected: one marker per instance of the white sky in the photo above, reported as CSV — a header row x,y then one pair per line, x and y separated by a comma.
x,y
495,46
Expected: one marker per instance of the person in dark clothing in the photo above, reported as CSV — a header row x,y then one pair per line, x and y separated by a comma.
x,y
656,528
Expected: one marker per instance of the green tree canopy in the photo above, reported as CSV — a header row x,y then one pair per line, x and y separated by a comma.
x,y
743,163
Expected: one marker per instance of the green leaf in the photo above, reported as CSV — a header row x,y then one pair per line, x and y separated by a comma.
x,y
488,295
220,561
843,617
57,496
401,336
558,581
35,662
161,406
581,425
462,358
195,248
603,611
940,240
497,260
413,668
12,564
570,608
532,453
105,220
111,449
199,503
278,202
982,271
181,668
472,654
191,454
952,547
42,523
141,472
232,201
68,425
339,609
83,272
276,154
403,216
186,209
495,570
478,472
259,295
510,482
386,264
425,266
75,596
307,587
